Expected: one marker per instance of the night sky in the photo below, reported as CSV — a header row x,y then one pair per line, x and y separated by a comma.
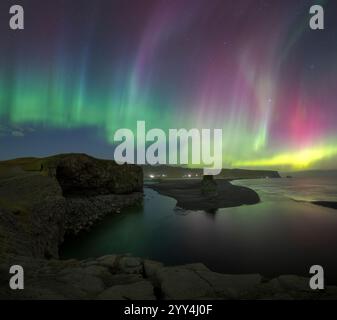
x,y
82,69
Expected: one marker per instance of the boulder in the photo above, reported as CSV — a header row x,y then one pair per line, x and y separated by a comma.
x,y
151,267
82,280
121,279
228,286
108,261
142,290
183,283
130,265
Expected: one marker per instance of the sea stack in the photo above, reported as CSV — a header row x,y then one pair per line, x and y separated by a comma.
x,y
209,186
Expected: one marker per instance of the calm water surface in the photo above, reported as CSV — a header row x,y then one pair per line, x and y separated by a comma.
x,y
277,236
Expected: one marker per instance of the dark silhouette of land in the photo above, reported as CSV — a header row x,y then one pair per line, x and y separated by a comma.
x,y
328,204
176,172
190,196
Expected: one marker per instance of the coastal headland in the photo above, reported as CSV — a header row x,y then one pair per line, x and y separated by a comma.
x,y
44,199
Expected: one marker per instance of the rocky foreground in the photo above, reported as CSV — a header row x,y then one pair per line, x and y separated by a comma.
x,y
125,277
42,200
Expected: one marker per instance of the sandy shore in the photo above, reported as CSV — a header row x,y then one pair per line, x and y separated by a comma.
x,y
189,196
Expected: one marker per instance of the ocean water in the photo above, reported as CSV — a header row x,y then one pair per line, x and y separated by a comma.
x,y
306,189
281,235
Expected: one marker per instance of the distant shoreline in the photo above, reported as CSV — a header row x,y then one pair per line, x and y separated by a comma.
x,y
327,204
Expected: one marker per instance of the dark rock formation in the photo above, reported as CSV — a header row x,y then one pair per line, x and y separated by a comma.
x,y
35,213
83,212
122,277
209,186
83,175
204,195
327,204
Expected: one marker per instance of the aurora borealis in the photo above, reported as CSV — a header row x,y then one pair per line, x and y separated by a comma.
x,y
82,69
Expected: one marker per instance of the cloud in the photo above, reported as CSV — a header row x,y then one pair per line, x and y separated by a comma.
x,y
15,130
17,133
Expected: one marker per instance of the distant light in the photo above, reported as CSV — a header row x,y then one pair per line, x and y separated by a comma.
x,y
151,176
189,175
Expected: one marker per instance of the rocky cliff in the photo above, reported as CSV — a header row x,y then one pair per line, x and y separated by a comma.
x,y
43,199
84,175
